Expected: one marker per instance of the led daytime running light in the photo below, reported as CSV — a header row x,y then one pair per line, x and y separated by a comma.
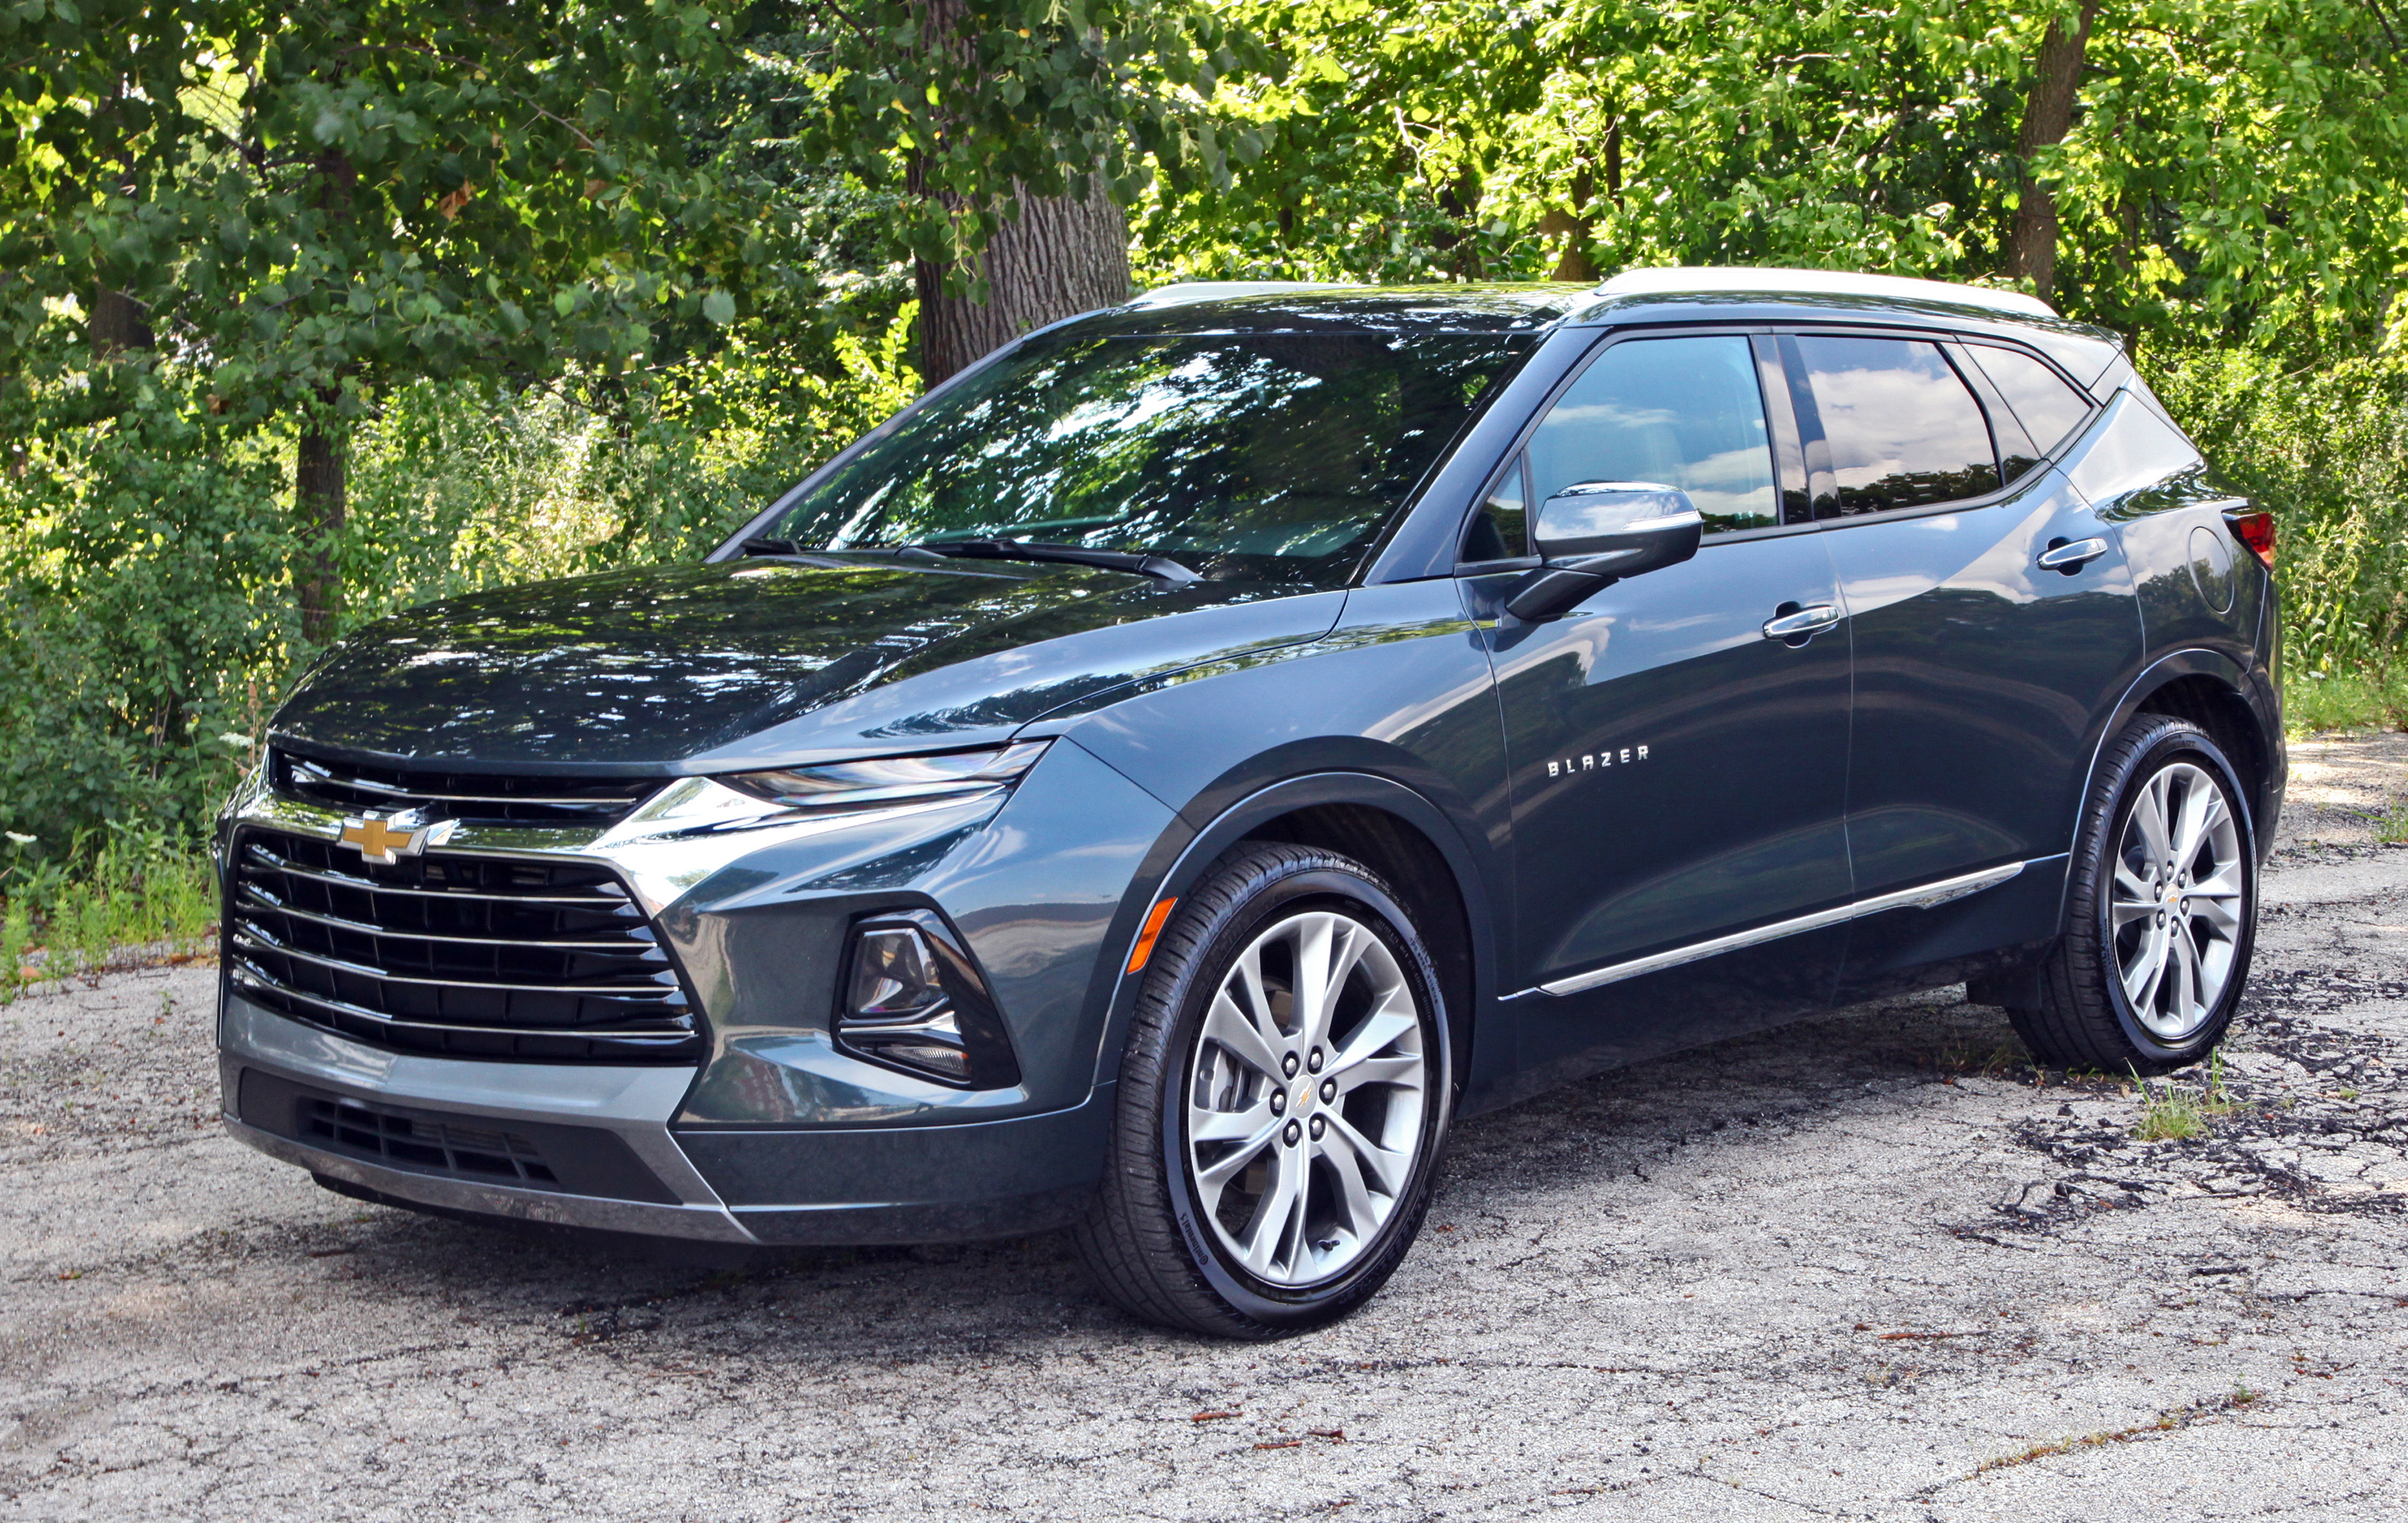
x,y
889,780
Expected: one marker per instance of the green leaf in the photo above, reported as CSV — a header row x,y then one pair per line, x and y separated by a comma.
x,y
720,307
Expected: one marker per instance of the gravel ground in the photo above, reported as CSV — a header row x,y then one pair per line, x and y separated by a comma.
x,y
1867,1266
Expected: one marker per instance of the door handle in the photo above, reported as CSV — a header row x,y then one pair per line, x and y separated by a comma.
x,y
2061,556
1801,624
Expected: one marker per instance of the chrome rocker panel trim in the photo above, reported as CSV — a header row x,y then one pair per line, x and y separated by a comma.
x,y
637,1102
1926,896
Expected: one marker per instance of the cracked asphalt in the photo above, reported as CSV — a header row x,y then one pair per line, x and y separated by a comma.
x,y
1870,1266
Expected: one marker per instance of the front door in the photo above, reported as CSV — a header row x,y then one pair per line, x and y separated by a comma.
x,y
1678,772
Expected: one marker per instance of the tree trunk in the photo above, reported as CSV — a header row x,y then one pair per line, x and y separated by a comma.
x,y
1062,257
2048,112
320,480
1574,225
320,470
117,324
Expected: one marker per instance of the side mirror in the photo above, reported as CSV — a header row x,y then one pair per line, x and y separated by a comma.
x,y
1593,534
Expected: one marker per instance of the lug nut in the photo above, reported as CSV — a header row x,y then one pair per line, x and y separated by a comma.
x,y
1313,1062
1287,1065
1328,1090
1278,1101
1292,1133
1318,1127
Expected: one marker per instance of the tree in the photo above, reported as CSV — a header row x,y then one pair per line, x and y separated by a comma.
x,y
2048,111
1020,128
308,202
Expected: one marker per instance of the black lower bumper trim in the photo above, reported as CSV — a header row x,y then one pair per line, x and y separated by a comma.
x,y
489,1150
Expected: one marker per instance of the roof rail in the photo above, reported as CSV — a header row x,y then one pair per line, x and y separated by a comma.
x,y
1693,281
1214,291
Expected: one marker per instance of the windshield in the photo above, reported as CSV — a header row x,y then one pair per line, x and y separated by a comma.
x,y
1273,458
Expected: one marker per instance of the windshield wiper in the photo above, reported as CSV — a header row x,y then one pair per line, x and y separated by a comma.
x,y
1160,566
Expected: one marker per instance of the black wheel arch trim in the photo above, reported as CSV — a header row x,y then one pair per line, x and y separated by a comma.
x,y
2239,679
1180,857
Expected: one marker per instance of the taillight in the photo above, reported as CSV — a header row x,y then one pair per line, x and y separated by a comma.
x,y
2256,530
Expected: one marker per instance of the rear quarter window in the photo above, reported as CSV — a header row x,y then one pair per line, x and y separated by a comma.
x,y
2043,401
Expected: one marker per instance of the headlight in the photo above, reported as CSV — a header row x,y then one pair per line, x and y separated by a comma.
x,y
744,800
888,780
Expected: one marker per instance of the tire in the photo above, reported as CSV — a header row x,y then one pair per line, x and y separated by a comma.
x,y
2101,1006
1287,1223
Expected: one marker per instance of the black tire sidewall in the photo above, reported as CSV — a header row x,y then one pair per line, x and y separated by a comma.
x,y
1273,898
2186,743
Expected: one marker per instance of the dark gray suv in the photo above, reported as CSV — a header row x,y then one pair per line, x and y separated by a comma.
x,y
1155,783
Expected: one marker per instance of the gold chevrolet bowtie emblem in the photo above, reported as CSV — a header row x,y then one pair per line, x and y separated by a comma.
x,y
379,842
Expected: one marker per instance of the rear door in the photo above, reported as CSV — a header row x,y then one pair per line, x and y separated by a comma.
x,y
1678,776
1993,620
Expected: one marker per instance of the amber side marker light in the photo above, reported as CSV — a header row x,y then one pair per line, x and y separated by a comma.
x,y
2256,530
1144,947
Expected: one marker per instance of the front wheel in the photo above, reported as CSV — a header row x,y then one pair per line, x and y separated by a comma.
x,y
1282,1099
2161,910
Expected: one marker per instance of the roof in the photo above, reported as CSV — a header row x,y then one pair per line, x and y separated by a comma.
x,y
1276,307
1725,280
1738,292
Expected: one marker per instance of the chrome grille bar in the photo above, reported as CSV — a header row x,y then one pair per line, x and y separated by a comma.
x,y
462,954
268,901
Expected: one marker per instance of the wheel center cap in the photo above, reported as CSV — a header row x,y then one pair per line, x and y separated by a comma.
x,y
1304,1096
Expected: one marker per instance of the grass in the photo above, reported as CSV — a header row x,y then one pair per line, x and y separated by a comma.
x,y
2169,1421
136,902
2370,699
2172,1113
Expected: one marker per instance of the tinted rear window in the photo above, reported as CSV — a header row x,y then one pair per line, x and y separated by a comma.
x,y
1902,428
2044,402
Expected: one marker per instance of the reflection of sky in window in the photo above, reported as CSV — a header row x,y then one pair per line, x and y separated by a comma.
x,y
1683,411
1892,408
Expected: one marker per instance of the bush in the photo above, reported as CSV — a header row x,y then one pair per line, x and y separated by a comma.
x,y
147,625
2325,449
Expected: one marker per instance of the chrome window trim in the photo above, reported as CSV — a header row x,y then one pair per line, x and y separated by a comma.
x,y
1922,897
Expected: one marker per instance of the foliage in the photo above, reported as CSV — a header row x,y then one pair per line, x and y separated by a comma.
x,y
1024,97
582,281
306,198
2326,446
2235,171
133,897
139,625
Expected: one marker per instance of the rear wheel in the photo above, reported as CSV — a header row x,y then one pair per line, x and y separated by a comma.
x,y
1282,1099
2161,910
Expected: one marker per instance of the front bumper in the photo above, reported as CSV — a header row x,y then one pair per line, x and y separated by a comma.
x,y
391,1123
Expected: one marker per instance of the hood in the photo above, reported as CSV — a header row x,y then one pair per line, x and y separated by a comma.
x,y
711,668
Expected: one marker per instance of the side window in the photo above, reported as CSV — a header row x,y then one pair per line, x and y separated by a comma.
x,y
2045,403
1902,428
1683,412
1497,531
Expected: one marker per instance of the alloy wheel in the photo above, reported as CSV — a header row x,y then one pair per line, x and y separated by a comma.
x,y
1305,1097
2177,906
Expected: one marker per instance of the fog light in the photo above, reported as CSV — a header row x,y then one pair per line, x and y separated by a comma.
x,y
915,1000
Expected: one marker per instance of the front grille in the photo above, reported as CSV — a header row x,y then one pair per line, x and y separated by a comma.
x,y
532,800
465,956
